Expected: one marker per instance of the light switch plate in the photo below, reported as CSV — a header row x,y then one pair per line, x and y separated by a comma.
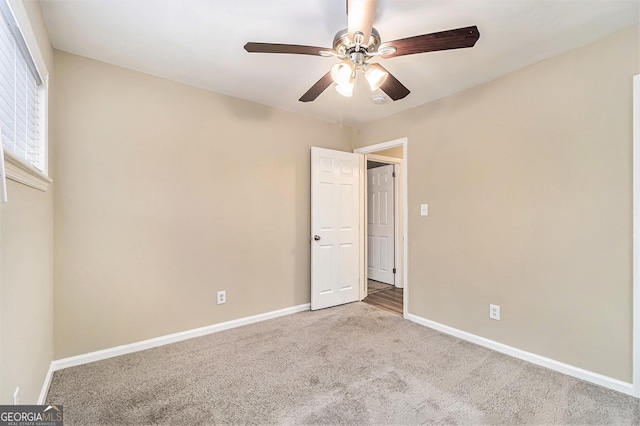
x,y
424,210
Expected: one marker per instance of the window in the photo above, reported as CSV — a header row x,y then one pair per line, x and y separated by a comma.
x,y
22,101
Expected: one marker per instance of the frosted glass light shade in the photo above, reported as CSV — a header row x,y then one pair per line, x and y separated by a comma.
x,y
345,90
341,73
375,76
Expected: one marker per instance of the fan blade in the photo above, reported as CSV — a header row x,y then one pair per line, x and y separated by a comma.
x,y
444,40
392,86
360,16
295,49
317,88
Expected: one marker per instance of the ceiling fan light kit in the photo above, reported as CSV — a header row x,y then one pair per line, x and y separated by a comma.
x,y
346,90
342,73
358,43
354,56
375,76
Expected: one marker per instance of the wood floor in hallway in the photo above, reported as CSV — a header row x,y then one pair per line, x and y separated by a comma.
x,y
384,296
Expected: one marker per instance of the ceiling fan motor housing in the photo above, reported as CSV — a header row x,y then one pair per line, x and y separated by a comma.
x,y
357,58
343,46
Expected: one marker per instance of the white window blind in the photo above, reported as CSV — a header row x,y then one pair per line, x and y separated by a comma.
x,y
20,94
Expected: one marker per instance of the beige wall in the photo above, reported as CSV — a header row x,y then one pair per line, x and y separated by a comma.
x,y
528,180
167,194
26,277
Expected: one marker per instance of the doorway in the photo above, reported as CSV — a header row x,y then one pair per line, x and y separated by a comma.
x,y
385,222
339,222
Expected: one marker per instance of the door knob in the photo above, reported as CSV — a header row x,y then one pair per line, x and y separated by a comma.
x,y
316,237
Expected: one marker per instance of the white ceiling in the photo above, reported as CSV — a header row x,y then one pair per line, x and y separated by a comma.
x,y
200,42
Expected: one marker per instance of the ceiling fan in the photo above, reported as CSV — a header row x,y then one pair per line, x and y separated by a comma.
x,y
358,43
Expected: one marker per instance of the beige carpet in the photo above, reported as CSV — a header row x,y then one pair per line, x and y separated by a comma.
x,y
354,364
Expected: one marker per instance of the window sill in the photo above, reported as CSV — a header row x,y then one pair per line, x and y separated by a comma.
x,y
20,171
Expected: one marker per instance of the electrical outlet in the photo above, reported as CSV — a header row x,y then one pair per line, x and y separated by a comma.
x,y
16,396
494,312
222,297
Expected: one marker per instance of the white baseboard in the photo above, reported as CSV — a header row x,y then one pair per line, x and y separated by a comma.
x,y
589,376
73,361
570,370
45,386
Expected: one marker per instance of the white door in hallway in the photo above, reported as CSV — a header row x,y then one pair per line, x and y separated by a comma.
x,y
380,224
335,214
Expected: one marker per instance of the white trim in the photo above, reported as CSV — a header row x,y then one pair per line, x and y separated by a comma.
x,y
570,370
384,159
370,149
20,171
3,170
362,228
171,338
44,124
404,143
45,385
22,19
636,236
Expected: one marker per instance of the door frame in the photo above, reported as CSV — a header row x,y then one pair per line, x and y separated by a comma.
x,y
402,203
636,238
398,279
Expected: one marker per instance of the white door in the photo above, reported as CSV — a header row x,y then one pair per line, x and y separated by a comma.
x,y
335,213
380,224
